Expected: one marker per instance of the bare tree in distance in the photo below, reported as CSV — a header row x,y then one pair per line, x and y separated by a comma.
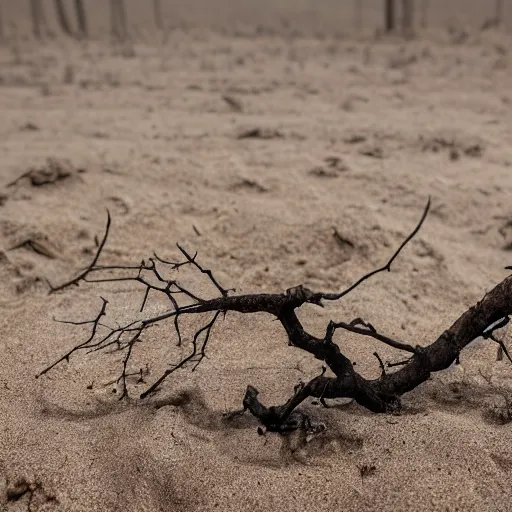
x,y
62,17
389,15
407,17
81,18
38,18
498,11
157,14
158,276
118,27
2,29
358,15
424,7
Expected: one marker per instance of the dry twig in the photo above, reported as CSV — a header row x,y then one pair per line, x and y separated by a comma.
x,y
157,275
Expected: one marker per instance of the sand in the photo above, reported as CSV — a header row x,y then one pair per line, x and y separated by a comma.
x,y
360,132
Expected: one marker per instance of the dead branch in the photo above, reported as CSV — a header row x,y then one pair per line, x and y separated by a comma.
x,y
80,277
158,276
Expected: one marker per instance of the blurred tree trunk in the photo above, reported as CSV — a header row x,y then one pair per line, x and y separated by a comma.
x,y
114,29
498,11
407,17
358,15
424,5
63,17
389,15
42,17
81,18
118,19
122,18
2,30
157,14
37,15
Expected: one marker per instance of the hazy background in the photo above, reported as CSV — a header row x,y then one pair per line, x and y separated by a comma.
x,y
297,17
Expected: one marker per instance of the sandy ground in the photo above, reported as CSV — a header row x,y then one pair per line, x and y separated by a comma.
x,y
360,134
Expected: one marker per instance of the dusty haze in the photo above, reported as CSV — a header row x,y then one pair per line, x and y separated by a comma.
x,y
361,130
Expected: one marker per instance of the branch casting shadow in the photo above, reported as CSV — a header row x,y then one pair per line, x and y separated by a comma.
x,y
157,275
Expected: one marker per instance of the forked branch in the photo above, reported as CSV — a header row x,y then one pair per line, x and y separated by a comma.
x,y
158,276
